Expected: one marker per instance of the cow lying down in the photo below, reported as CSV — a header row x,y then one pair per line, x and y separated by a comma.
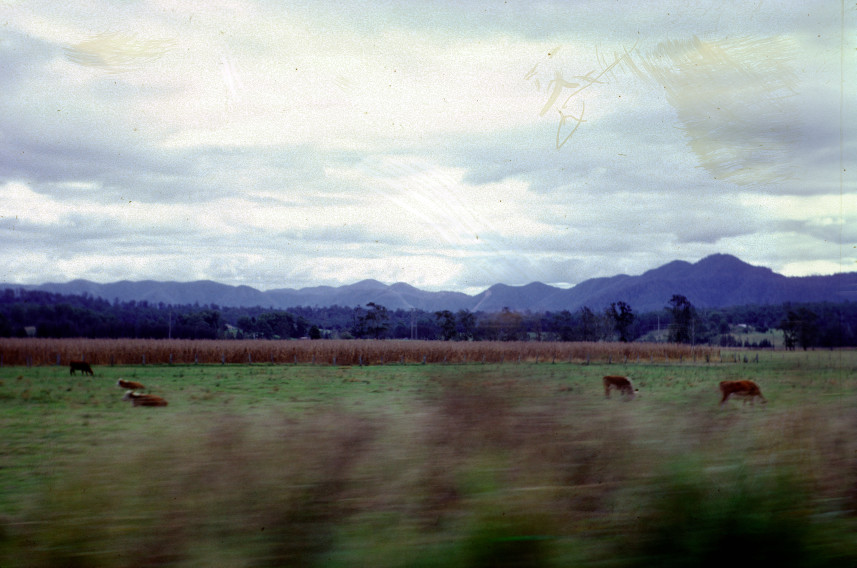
x,y
138,399
129,385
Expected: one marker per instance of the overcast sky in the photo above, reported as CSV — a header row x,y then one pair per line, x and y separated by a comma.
x,y
449,145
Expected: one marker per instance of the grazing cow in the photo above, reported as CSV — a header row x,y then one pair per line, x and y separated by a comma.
x,y
81,366
621,384
745,389
129,385
138,399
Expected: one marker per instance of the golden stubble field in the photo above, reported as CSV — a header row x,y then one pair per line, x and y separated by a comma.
x,y
495,464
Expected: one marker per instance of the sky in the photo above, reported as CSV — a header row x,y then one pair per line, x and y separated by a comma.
x,y
448,145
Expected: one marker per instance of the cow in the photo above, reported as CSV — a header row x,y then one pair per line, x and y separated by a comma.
x,y
138,399
81,366
129,385
745,389
621,384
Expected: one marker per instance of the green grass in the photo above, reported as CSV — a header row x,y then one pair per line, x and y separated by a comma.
x,y
428,465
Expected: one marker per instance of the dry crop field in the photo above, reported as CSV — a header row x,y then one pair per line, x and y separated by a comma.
x,y
14,351
495,464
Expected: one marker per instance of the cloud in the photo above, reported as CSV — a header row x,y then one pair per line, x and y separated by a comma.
x,y
320,144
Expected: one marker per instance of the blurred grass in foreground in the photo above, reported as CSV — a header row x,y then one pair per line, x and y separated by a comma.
x,y
468,468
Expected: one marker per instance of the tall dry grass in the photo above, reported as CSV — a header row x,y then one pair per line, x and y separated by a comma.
x,y
31,351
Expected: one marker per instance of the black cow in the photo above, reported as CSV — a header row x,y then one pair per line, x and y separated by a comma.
x,y
82,366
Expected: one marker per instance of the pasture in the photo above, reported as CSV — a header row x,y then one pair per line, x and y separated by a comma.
x,y
514,464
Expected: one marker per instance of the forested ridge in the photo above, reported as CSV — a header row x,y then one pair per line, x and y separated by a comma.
x,y
44,314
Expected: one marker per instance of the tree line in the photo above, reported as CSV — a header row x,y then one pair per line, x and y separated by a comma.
x,y
44,314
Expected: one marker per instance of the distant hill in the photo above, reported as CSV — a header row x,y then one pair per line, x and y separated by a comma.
x,y
715,281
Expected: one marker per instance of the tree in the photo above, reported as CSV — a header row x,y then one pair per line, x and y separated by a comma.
x,y
808,328
466,326
5,326
562,325
623,317
446,322
505,325
588,325
202,324
511,325
799,328
683,313
271,325
375,320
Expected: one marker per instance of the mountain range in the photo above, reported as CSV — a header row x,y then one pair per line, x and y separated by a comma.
x,y
715,281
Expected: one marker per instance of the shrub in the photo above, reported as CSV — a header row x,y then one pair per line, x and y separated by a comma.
x,y
754,517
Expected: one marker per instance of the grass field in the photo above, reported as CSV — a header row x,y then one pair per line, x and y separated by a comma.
x,y
515,464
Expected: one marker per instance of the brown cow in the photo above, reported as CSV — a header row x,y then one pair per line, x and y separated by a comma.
x,y
129,385
138,399
82,366
745,389
621,384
